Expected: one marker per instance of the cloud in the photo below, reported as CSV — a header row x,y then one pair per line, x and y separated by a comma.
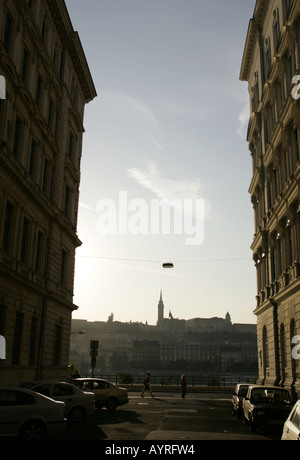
x,y
164,188
243,120
131,115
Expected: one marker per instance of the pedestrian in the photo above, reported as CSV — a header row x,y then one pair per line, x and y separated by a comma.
x,y
76,375
147,385
183,385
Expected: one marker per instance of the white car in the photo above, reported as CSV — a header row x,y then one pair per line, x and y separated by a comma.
x,y
78,404
29,415
106,393
291,428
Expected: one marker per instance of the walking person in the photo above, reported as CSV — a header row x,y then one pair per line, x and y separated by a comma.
x,y
183,385
147,385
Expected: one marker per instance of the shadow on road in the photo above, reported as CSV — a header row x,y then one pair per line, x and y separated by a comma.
x,y
117,416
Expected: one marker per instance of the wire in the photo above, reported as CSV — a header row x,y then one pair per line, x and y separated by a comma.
x,y
159,261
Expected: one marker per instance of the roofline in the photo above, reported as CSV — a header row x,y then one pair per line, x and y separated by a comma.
x,y
254,28
71,41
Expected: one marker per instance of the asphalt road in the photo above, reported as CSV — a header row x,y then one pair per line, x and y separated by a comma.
x,y
167,417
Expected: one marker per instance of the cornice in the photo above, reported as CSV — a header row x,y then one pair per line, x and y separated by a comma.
x,y
254,29
72,42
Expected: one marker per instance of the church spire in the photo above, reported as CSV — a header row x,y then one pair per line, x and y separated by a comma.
x,y
160,307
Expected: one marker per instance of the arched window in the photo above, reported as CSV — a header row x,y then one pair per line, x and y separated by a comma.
x,y
265,350
282,351
295,362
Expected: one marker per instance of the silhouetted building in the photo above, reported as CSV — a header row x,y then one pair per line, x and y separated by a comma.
x,y
199,344
47,84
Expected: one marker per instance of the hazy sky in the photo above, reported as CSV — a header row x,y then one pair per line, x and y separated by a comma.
x,y
169,123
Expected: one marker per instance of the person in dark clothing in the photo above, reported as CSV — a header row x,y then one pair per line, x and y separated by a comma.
x,y
147,385
183,385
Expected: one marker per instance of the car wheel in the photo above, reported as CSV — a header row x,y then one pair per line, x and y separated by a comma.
x,y
111,404
76,415
34,430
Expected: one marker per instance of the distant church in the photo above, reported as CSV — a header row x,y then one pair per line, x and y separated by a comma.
x,y
195,324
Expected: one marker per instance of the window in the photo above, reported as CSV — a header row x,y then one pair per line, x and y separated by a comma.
x,y
268,57
32,158
33,338
286,9
39,252
67,201
71,146
15,398
276,29
57,346
46,185
7,32
282,349
24,240
8,227
17,136
62,64
38,92
25,62
50,113
265,349
44,389
17,338
2,319
62,390
255,93
63,267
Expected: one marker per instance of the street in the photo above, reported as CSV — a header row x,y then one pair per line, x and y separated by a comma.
x,y
167,417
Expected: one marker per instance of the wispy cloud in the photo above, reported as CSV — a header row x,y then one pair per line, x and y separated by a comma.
x,y
243,120
165,188
132,114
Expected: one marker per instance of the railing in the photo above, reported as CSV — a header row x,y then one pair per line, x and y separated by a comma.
x,y
174,380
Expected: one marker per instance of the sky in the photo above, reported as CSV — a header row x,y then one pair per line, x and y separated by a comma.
x,y
167,131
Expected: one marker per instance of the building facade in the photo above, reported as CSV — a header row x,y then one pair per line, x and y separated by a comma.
x,y
271,66
47,84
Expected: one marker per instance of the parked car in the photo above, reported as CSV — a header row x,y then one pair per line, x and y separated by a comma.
x,y
266,405
291,428
106,393
29,415
78,403
238,395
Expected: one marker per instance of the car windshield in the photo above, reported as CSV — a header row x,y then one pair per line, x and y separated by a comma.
x,y
270,396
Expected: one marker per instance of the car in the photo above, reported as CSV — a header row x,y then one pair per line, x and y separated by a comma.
x,y
264,406
238,395
78,404
106,393
291,428
29,415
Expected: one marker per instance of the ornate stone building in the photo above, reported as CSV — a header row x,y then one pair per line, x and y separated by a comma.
x,y
47,84
270,62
